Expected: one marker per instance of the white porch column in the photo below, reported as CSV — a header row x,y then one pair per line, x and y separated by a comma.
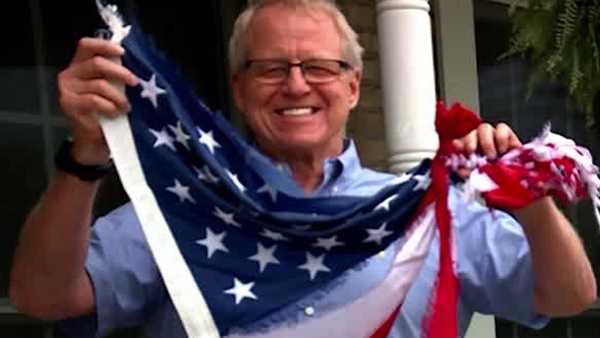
x,y
408,81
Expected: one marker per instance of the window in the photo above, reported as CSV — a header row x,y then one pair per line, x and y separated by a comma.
x,y
31,124
470,37
503,97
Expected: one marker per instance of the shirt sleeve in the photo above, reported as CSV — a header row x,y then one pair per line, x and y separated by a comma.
x,y
494,263
125,279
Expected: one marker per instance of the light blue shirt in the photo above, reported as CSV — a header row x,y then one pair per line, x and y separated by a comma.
x,y
493,263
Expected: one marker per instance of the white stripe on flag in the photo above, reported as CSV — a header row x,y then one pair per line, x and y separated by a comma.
x,y
185,294
360,318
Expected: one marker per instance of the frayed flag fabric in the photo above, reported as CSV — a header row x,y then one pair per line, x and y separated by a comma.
x,y
210,201
251,248
233,248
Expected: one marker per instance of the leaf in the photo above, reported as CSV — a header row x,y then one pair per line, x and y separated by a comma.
x,y
560,38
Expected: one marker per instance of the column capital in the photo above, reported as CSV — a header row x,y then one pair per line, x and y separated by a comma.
x,y
386,5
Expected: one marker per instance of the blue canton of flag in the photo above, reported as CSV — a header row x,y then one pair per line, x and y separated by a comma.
x,y
251,248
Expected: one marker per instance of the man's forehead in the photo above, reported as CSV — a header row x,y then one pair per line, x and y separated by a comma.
x,y
286,23
273,14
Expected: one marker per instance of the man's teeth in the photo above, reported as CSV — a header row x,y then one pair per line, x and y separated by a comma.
x,y
297,111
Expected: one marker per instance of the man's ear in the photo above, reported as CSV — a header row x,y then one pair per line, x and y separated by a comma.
x,y
354,84
237,91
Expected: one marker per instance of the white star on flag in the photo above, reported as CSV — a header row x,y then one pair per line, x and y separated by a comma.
x,y
377,235
270,190
264,256
327,243
423,182
151,91
385,205
162,138
236,181
225,217
206,175
241,291
273,235
182,191
400,179
313,265
180,135
208,140
213,242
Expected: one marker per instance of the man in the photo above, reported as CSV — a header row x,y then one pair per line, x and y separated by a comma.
x,y
296,75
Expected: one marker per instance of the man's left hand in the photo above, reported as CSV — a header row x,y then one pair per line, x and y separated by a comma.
x,y
489,141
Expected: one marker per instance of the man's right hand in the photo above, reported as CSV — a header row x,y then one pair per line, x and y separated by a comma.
x,y
87,88
48,277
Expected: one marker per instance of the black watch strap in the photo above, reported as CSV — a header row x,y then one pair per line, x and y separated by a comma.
x,y
64,161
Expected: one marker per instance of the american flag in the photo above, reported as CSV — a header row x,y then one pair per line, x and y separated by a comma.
x,y
251,248
233,248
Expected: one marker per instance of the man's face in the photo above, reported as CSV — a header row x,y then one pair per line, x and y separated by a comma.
x,y
295,116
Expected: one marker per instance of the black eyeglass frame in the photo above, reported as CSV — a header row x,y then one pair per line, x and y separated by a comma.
x,y
344,66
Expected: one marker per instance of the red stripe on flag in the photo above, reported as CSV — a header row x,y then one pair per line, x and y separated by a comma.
x,y
450,124
441,322
384,330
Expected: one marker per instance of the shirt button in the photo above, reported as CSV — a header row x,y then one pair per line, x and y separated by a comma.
x,y
309,311
335,189
381,254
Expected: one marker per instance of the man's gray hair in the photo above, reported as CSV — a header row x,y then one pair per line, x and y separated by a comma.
x,y
238,48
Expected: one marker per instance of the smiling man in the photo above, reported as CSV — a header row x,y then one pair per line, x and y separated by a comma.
x,y
296,85
296,70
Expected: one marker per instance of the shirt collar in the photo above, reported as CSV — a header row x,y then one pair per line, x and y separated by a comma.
x,y
338,170
349,160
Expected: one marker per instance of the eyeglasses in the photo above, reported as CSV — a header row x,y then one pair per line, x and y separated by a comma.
x,y
315,71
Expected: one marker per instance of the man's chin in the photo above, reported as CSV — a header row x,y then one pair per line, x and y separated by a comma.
x,y
301,142
309,145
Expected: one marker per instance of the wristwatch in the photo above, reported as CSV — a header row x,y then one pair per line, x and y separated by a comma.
x,y
64,161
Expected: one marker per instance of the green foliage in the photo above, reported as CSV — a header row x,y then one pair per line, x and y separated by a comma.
x,y
561,39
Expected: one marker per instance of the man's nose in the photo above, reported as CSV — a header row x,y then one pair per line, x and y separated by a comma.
x,y
295,83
